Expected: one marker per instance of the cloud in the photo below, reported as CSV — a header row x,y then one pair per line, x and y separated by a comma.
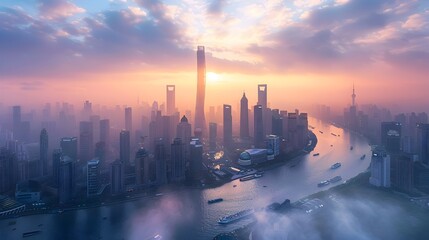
x,y
216,7
58,8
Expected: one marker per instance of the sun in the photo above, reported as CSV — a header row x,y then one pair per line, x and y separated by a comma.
x,y
213,77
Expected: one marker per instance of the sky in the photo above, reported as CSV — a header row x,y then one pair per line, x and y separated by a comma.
x,y
307,51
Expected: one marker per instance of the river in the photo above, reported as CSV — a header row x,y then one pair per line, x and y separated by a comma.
x,y
185,214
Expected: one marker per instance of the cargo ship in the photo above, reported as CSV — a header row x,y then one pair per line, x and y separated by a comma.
x,y
215,200
236,216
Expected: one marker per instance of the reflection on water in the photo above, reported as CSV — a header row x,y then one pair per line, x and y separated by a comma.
x,y
185,214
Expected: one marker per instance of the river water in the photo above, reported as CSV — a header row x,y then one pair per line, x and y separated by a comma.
x,y
185,214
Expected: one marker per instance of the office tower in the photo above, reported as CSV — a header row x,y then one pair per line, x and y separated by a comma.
x,y
184,130
66,180
166,130
95,119
423,143
128,119
258,126
100,152
200,120
196,160
178,162
93,183
212,136
227,126
402,172
87,110
105,132
161,161
292,131
43,163
16,116
57,156
142,167
262,95
69,147
391,136
380,168
277,123
273,143
8,170
117,177
244,117
86,143
171,99
124,147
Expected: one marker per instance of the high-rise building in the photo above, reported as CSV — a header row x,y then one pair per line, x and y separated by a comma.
x,y
184,130
66,180
161,161
262,95
380,168
87,110
86,143
212,136
117,177
16,115
57,156
258,126
402,172
196,160
277,123
273,144
227,126
93,183
124,147
142,167
8,170
128,119
69,147
244,117
171,99
423,143
105,132
43,164
178,162
95,119
200,120
391,136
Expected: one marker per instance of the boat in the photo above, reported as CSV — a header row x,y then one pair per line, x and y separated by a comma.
x,y
335,179
234,185
215,200
351,148
333,134
321,132
323,183
29,234
236,216
250,177
363,157
336,165
316,154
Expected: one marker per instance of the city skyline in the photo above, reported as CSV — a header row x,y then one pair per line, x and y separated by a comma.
x,y
376,45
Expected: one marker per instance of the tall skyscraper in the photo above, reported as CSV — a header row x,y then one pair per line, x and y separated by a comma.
x,y
8,171
66,180
117,177
161,161
178,162
380,168
184,130
43,164
200,120
57,156
142,167
258,126
105,132
171,99
93,183
124,147
86,143
227,126
391,136
212,136
196,160
262,95
244,117
423,143
69,147
128,119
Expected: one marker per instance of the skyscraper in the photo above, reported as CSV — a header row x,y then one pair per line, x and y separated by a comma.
x,y
43,164
380,168
117,177
258,126
142,167
161,161
93,178
212,136
57,156
184,130
391,136
69,147
171,99
177,160
128,119
244,117
105,132
196,160
227,126
423,143
124,147
86,143
262,95
66,180
200,119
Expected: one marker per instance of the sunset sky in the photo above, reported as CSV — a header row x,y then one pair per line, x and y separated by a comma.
x,y
307,51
